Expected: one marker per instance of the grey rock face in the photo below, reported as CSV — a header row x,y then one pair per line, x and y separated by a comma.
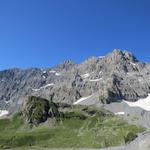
x,y
118,75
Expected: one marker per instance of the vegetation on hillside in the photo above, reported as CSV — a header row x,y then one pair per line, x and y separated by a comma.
x,y
74,127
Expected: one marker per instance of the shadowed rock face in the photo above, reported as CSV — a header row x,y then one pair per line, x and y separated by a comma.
x,y
118,75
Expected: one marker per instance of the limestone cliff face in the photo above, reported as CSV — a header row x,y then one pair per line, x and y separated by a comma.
x,y
116,76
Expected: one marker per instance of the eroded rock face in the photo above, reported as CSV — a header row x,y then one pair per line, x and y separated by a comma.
x,y
118,75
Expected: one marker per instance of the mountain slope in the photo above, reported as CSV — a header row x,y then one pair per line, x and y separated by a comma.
x,y
118,75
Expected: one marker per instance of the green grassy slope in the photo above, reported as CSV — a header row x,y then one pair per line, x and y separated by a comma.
x,y
96,130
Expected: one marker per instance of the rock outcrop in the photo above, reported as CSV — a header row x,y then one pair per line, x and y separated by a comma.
x,y
36,110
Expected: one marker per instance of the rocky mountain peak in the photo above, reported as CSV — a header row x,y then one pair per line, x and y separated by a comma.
x,y
117,52
68,62
115,55
130,56
66,65
119,57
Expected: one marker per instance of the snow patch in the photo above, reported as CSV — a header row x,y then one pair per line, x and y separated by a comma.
x,y
82,99
85,75
57,74
43,76
52,71
132,63
44,71
43,87
7,102
142,103
3,113
119,113
95,80
100,72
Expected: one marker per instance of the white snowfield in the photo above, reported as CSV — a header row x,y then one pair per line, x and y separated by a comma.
x,y
82,99
57,74
119,113
44,77
44,71
3,113
52,71
43,87
95,80
100,72
85,75
142,103
132,63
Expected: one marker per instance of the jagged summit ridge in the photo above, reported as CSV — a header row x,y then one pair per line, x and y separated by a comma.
x,y
119,54
116,76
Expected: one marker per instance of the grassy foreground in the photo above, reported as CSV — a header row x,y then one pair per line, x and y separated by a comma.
x,y
95,131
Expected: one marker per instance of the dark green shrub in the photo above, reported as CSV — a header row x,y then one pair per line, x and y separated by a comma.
x,y
130,137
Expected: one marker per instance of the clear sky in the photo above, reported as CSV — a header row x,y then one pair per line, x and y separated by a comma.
x,y
43,33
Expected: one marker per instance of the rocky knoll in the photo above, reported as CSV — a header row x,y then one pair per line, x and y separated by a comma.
x,y
116,76
36,110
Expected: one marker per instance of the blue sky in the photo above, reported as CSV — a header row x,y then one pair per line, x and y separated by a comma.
x,y
43,33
